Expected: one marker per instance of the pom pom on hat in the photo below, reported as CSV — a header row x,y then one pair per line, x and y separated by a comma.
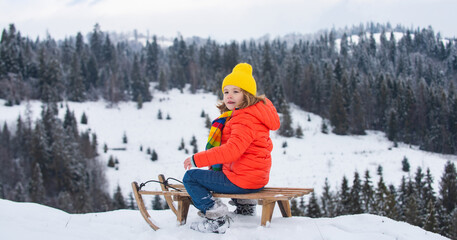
x,y
241,77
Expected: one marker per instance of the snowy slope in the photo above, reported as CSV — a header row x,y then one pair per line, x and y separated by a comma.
x,y
34,221
304,162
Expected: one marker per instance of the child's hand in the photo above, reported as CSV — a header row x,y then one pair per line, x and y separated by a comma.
x,y
187,164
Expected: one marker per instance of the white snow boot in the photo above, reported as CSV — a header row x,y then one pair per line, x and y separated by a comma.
x,y
208,225
215,219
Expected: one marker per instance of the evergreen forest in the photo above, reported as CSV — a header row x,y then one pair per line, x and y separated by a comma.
x,y
397,80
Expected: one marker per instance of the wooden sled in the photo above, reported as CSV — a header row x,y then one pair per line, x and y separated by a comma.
x,y
267,197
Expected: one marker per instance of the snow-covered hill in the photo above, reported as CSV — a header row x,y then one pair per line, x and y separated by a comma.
x,y
34,221
305,162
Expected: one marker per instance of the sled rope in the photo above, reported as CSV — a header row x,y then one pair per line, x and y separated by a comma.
x,y
164,183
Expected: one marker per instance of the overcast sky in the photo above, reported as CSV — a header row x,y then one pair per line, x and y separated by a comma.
x,y
222,20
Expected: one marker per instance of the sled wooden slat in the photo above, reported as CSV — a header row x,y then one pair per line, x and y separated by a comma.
x,y
267,197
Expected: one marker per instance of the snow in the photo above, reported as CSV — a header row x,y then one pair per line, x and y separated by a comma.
x,y
34,221
304,163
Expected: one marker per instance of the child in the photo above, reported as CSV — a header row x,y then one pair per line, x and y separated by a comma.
x,y
240,141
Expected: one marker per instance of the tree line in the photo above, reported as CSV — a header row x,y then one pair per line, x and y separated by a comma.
x,y
49,162
403,84
414,201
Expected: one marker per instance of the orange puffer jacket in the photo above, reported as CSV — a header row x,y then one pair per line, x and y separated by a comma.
x,y
245,146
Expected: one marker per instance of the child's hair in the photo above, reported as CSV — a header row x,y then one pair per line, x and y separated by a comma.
x,y
248,100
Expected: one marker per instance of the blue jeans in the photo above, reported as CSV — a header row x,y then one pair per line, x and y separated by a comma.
x,y
200,183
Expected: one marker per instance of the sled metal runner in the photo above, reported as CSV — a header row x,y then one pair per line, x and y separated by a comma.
x,y
172,193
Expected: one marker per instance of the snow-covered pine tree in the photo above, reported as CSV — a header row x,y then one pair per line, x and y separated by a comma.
x,y
344,199
338,115
380,195
286,129
294,208
448,187
419,184
355,195
431,222
391,207
313,210
411,207
37,191
118,199
328,201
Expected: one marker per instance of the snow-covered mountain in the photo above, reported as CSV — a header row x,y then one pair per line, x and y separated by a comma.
x,y
305,162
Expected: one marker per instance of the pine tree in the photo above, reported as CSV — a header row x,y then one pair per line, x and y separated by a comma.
x,y
131,202
412,214
355,195
19,194
286,124
313,209
448,187
453,227
367,193
431,223
422,202
76,89
392,130
324,127
344,200
207,122
84,119
124,138
380,195
429,194
111,161
302,206
299,132
157,203
119,202
338,115
65,202
391,204
182,145
294,208
357,116
328,201
163,83
405,164
154,156
140,86
152,59
36,190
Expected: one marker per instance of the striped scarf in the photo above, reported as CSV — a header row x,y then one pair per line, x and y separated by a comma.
x,y
215,134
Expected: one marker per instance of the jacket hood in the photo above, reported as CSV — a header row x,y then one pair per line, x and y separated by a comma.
x,y
265,112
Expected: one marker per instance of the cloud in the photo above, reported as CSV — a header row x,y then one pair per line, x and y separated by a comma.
x,y
221,19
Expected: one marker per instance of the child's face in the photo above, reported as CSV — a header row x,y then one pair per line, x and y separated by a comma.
x,y
233,96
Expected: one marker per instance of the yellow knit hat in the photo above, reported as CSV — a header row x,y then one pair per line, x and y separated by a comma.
x,y
241,77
